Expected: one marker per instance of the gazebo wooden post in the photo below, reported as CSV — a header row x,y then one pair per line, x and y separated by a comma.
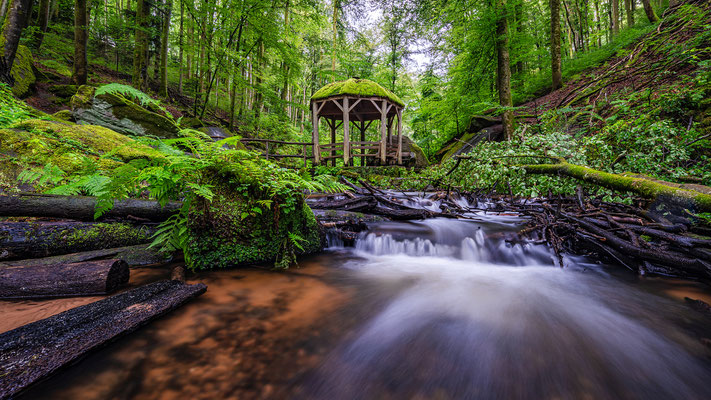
x,y
362,139
332,153
317,154
383,132
399,136
346,136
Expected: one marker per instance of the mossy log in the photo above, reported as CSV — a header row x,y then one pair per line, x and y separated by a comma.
x,y
87,278
137,255
82,208
35,351
651,189
35,239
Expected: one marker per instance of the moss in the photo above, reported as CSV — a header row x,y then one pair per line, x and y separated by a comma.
x,y
191,123
356,87
36,142
63,115
83,97
63,91
22,72
227,232
56,67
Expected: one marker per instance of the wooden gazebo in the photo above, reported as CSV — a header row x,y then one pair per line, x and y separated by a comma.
x,y
357,102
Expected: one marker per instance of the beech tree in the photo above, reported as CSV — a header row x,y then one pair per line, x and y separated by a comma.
x,y
503,70
556,61
16,15
81,18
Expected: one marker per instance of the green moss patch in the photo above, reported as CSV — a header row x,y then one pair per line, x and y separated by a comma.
x,y
356,87
22,72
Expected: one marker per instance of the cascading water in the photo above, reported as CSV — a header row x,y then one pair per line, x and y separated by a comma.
x,y
469,315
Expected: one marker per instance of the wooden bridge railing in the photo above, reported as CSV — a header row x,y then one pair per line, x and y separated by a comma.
x,y
330,149
268,142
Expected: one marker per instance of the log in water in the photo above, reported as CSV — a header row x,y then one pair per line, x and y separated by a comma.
x,y
86,278
35,351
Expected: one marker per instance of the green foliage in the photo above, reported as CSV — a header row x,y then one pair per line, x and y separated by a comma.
x,y
134,95
11,109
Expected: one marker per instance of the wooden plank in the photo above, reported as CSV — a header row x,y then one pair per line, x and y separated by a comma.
x,y
274,141
35,351
87,278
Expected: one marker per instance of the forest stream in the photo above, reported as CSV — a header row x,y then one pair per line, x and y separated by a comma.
x,y
433,309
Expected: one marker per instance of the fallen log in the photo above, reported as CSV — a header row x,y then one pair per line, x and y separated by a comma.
x,y
355,204
89,278
82,208
672,193
137,255
36,239
35,351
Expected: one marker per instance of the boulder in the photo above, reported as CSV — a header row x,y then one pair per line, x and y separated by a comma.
x,y
412,154
64,115
22,72
215,132
121,114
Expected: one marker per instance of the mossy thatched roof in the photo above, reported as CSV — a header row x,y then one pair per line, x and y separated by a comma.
x,y
356,87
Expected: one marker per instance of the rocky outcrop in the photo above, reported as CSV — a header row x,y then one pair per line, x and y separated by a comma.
x,y
121,114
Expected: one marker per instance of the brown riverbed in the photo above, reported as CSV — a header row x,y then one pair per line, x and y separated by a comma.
x,y
248,337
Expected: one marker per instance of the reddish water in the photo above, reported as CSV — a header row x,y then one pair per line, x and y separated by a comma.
x,y
453,321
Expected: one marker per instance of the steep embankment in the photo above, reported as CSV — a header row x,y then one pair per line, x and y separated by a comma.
x,y
663,60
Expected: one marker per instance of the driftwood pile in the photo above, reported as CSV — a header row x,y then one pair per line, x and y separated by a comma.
x,y
634,236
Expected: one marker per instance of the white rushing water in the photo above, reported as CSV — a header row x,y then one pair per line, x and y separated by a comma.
x,y
468,315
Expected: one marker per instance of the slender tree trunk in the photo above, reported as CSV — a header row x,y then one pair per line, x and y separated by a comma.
x,y
629,10
649,10
81,26
140,67
556,59
615,19
164,49
335,39
180,55
3,9
504,68
42,21
10,36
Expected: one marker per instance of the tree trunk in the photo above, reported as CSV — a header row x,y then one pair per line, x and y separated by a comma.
x,y
335,40
671,193
82,208
42,21
35,351
164,49
140,54
81,19
19,240
10,36
556,60
615,17
649,10
89,278
629,11
180,55
3,9
137,255
503,76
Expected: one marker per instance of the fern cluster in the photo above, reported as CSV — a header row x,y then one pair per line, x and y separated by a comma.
x,y
134,95
11,109
191,164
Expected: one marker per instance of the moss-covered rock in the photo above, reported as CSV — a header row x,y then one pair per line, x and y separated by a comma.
x,y
36,142
22,72
191,123
121,114
230,231
63,91
358,88
63,115
413,155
